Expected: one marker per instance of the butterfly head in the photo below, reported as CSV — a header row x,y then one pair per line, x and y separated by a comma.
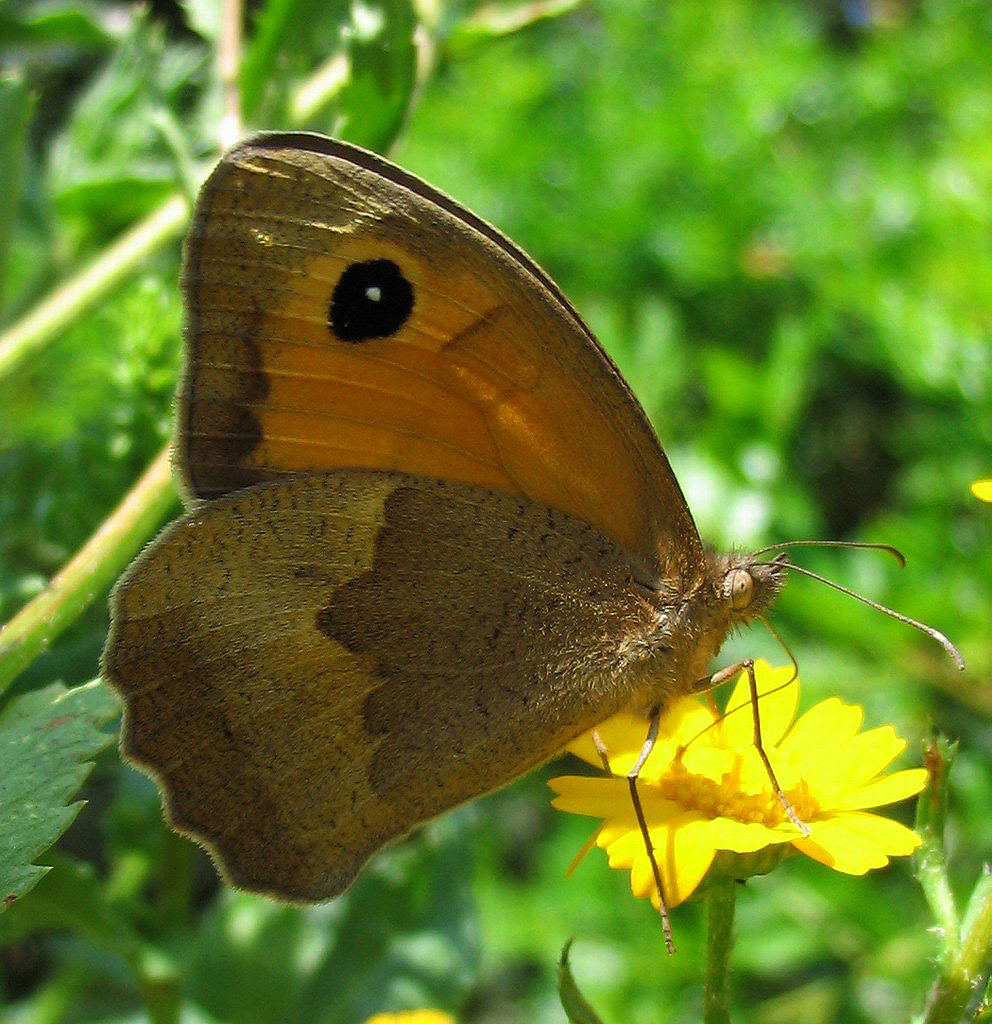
x,y
747,584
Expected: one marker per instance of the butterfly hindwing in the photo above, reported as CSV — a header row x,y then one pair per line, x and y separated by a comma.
x,y
313,666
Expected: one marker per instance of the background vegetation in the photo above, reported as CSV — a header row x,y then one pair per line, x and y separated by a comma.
x,y
776,217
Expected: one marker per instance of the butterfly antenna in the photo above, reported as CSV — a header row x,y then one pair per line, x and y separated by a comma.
x,y
934,634
785,647
861,545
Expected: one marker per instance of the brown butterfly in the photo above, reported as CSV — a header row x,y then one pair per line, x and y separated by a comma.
x,y
431,539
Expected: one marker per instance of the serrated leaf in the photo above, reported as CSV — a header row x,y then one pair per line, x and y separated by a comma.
x,y
71,898
47,741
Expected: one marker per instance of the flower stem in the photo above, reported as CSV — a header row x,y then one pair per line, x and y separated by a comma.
x,y
959,983
930,861
89,572
721,896
90,284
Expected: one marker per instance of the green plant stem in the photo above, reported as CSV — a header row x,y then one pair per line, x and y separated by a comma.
x,y
175,889
89,572
960,980
930,861
721,897
70,299
121,536
228,65
161,987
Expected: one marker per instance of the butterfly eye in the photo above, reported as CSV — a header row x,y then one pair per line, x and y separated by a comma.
x,y
371,300
738,588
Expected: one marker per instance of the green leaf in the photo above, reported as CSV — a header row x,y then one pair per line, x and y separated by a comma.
x,y
76,25
493,21
47,741
204,18
383,72
111,164
293,36
400,938
573,1002
15,111
71,898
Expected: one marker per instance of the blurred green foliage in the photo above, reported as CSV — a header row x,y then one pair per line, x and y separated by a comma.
x,y
776,216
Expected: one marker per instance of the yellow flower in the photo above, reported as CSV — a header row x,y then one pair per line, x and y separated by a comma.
x,y
412,1017
704,788
982,489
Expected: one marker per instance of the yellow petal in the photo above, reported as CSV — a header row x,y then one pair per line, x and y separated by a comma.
x,y
871,753
778,698
624,735
713,762
616,733
896,839
683,855
622,846
581,855
832,844
609,799
982,489
686,724
889,789
745,837
658,813
857,762
830,720
685,719
597,798
688,863
817,742
855,843
412,1017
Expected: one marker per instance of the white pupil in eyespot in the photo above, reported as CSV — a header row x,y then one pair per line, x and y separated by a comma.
x,y
373,293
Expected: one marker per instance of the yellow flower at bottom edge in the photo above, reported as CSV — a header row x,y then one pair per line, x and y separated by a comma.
x,y
412,1017
704,788
982,489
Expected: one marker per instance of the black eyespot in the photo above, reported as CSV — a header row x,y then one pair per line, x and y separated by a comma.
x,y
371,300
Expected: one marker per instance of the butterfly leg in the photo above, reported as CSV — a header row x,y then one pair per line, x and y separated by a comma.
x,y
642,822
604,755
724,675
639,811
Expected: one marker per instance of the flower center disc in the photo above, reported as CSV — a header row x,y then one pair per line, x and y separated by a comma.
x,y
725,799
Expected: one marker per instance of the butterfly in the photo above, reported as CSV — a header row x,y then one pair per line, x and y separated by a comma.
x,y
431,536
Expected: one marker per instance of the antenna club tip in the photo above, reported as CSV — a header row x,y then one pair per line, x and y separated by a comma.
x,y
952,652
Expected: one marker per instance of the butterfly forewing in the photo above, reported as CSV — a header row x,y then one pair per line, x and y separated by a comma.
x,y
341,313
